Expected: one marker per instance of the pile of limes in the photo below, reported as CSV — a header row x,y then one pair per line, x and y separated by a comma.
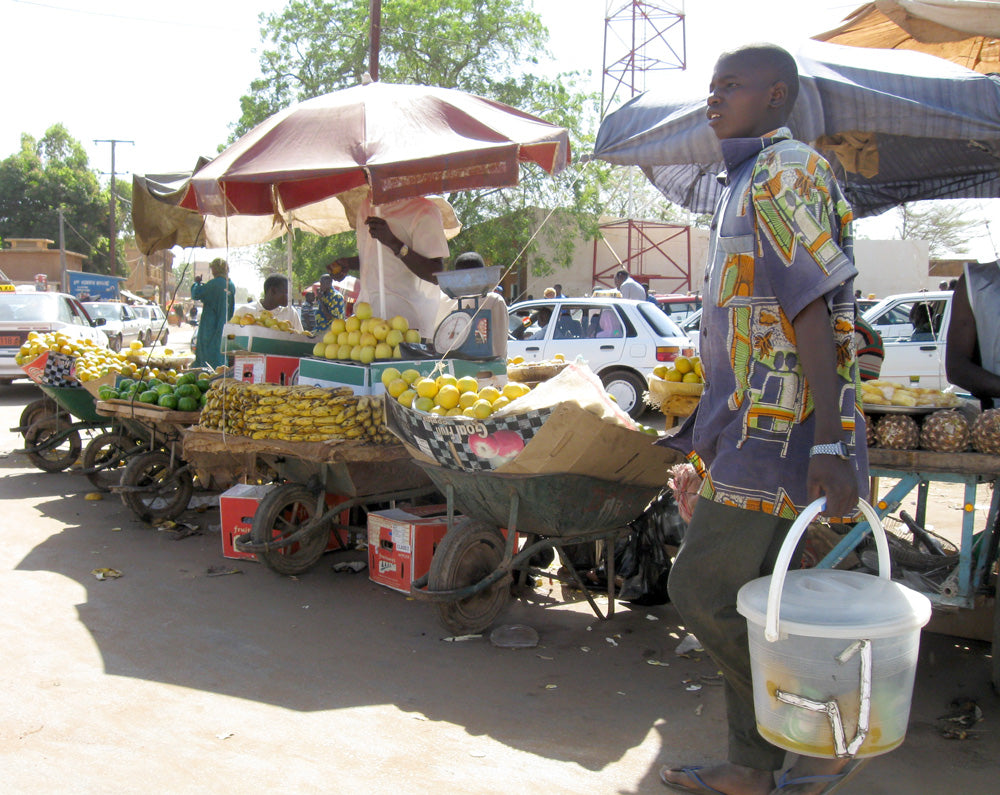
x,y
187,393
683,369
448,396
92,361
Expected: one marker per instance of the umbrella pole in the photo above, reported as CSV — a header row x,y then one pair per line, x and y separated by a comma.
x,y
288,257
381,283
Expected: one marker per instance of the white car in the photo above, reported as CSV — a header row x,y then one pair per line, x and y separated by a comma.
x,y
22,313
621,340
121,325
914,327
155,323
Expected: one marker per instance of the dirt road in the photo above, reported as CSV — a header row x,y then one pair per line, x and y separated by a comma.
x,y
173,681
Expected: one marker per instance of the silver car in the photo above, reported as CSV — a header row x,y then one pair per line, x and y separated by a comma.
x,y
155,323
121,325
621,340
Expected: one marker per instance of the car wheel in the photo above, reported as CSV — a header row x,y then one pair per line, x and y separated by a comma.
x,y
163,337
147,339
626,388
115,343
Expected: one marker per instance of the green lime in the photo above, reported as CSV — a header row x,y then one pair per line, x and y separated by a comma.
x,y
187,390
186,378
149,396
125,383
187,404
202,400
168,401
204,384
164,389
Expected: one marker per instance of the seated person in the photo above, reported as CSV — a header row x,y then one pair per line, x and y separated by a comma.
x,y
610,324
920,318
567,328
594,325
533,325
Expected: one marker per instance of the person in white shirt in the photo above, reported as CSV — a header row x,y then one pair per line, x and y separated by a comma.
x,y
629,287
411,234
275,301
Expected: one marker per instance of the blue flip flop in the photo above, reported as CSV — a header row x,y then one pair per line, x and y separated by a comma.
x,y
691,773
832,781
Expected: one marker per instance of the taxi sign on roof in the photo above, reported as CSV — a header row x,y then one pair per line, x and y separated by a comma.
x,y
7,288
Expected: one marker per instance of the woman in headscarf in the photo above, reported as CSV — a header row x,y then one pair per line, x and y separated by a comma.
x,y
218,300
610,325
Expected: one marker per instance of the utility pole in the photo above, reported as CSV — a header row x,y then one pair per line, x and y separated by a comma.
x,y
374,37
62,249
114,226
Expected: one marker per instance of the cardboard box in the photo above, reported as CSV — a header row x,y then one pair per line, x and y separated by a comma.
x,y
281,370
401,544
237,507
249,368
260,339
564,439
322,372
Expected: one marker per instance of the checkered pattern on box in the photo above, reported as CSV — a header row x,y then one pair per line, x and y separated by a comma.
x,y
60,371
446,440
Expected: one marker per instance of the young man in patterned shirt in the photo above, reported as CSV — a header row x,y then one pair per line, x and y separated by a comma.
x,y
778,424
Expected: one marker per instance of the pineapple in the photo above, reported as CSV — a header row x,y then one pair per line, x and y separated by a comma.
x,y
986,432
897,432
945,432
870,432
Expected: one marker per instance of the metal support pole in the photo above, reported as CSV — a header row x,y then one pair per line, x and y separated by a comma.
x,y
62,250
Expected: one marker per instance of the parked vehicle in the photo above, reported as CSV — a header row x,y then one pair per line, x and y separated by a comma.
x,y
156,323
679,306
914,327
621,340
121,325
22,313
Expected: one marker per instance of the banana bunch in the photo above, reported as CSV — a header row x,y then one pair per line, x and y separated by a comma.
x,y
294,413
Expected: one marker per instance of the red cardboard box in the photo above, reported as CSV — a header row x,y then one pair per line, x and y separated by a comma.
x,y
280,369
238,505
401,544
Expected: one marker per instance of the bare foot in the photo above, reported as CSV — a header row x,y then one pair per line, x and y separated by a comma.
x,y
727,779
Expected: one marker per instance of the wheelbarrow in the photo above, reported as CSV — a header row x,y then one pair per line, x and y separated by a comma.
x,y
473,566
52,426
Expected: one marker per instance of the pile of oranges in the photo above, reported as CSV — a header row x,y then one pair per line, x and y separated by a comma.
x,y
92,361
448,396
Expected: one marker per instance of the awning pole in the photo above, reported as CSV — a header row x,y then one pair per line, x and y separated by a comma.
x,y
288,252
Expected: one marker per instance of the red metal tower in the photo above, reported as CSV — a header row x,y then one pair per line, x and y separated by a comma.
x,y
640,38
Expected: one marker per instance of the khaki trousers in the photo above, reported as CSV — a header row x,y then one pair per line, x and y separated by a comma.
x,y
723,548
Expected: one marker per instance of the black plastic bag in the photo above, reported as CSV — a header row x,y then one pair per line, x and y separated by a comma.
x,y
641,557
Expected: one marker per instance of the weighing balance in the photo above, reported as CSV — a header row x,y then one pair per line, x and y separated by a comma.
x,y
468,331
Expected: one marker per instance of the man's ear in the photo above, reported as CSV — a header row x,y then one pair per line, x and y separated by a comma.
x,y
779,94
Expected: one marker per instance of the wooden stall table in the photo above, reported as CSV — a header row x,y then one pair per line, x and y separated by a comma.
x,y
916,469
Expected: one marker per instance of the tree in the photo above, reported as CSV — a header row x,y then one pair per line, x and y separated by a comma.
x,y
54,172
943,225
480,46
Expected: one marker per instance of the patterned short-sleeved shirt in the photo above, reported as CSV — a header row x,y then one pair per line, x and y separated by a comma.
x,y
331,306
780,240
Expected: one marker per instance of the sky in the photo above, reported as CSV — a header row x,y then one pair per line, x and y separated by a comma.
x,y
165,79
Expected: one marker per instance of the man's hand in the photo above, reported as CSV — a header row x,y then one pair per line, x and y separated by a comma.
x,y
197,279
379,229
833,478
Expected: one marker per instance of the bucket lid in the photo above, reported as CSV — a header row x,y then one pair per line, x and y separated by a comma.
x,y
829,603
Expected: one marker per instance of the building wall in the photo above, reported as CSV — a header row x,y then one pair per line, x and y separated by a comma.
x,y
27,257
887,267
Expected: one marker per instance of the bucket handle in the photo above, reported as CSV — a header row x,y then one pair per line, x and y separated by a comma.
x,y
796,531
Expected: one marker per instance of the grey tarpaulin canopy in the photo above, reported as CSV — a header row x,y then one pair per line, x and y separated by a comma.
x,y
896,126
158,221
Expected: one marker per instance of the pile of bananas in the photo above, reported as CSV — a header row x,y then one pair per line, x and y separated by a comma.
x,y
293,413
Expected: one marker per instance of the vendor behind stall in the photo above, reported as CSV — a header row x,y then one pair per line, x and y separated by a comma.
x,y
411,234
972,351
275,301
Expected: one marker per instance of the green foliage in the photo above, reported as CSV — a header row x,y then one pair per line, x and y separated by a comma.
x,y
54,172
945,226
485,47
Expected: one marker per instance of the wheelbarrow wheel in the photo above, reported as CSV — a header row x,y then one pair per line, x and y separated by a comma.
x,y
36,410
63,453
281,513
109,452
469,552
165,495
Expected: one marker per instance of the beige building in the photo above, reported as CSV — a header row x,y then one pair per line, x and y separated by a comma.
x,y
25,259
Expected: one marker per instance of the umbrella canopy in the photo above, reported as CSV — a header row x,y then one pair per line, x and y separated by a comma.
x,y
965,33
896,127
401,141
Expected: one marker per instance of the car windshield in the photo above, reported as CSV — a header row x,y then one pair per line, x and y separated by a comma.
x,y
28,306
107,311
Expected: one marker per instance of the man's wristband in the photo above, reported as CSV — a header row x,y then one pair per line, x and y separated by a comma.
x,y
403,251
838,449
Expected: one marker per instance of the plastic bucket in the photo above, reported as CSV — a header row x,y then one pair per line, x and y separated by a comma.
x,y
833,653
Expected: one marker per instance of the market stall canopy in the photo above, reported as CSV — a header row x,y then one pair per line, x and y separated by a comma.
x,y
896,126
400,141
157,218
965,33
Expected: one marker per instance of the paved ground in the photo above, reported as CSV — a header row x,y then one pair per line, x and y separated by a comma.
x,y
170,680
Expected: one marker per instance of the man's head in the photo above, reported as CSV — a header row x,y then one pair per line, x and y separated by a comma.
x,y
620,277
275,291
543,316
218,267
325,283
548,292
752,92
558,288
309,296
468,261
